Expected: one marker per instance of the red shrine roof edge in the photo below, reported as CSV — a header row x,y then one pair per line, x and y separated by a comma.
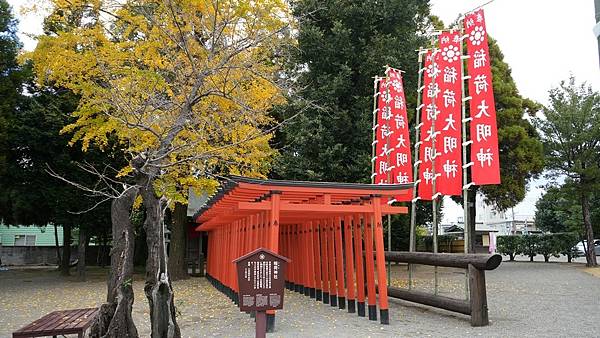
x,y
316,184
229,183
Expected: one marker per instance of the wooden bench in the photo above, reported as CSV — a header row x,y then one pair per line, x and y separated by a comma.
x,y
59,323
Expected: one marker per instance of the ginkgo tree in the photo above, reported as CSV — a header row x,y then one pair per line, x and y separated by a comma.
x,y
185,86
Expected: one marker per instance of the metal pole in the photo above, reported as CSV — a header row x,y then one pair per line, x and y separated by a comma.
x,y
413,211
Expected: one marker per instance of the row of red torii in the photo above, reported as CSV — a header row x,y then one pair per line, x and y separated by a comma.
x,y
328,230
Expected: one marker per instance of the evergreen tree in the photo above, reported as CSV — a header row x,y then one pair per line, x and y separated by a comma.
x,y
570,132
559,210
341,46
10,86
35,147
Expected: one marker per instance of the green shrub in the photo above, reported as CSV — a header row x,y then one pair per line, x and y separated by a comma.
x,y
548,245
567,241
529,245
509,245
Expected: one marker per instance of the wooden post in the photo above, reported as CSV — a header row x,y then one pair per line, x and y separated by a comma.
x,y
310,259
290,235
237,228
305,259
349,264
479,309
227,257
274,239
261,324
297,237
333,298
370,264
339,262
325,269
317,262
302,245
384,314
264,239
360,273
249,226
273,244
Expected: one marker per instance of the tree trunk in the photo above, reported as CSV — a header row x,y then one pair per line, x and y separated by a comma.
x,y
158,288
81,254
114,319
58,257
590,254
177,247
66,254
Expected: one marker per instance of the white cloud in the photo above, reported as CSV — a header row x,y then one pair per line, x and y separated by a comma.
x,y
29,25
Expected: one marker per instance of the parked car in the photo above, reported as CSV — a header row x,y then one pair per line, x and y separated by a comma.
x,y
579,247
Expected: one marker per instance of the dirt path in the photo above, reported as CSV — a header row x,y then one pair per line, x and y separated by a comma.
x,y
525,299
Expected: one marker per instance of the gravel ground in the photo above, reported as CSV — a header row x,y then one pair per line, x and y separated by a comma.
x,y
524,299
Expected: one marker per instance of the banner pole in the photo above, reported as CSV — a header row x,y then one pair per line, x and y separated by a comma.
x,y
389,176
373,155
465,189
412,244
433,171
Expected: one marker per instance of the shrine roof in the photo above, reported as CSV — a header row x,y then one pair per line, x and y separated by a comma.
x,y
240,197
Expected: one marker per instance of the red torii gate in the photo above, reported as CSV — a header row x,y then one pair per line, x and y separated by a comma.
x,y
320,226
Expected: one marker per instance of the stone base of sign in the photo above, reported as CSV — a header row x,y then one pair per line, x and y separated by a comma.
x,y
372,312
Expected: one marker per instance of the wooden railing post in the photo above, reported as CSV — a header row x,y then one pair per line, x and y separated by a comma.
x,y
479,309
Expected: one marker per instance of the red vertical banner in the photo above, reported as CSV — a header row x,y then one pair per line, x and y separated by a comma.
x,y
384,134
400,159
484,132
448,142
429,113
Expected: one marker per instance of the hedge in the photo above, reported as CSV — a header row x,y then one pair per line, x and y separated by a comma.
x,y
547,245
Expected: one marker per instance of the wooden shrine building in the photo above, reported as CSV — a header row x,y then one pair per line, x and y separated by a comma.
x,y
323,228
